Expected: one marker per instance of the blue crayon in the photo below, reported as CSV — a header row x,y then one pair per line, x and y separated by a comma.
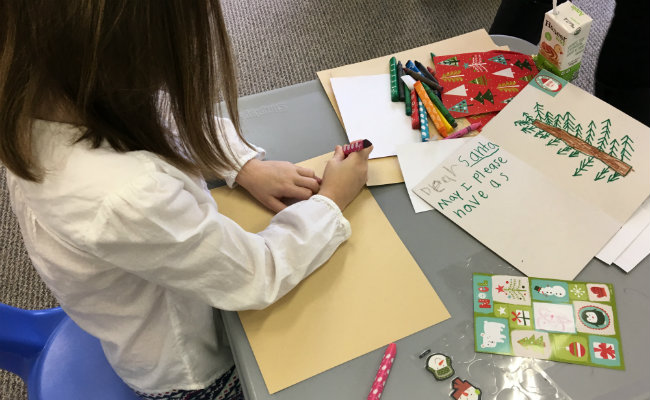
x,y
424,123
410,65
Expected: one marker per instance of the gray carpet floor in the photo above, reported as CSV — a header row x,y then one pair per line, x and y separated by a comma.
x,y
284,42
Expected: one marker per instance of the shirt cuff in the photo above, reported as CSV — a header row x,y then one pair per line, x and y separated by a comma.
x,y
343,222
230,176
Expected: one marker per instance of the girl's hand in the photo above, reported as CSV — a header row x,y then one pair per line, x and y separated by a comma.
x,y
272,181
344,177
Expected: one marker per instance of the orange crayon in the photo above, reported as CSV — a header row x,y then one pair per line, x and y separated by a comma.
x,y
433,112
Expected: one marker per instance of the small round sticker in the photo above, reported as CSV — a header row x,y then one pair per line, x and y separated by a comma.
x,y
548,83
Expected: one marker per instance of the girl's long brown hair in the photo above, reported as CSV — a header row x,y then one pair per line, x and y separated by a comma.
x,y
125,68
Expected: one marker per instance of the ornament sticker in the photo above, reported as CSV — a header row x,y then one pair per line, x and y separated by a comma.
x,y
550,319
548,83
594,318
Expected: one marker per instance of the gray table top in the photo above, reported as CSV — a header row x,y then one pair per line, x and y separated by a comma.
x,y
297,123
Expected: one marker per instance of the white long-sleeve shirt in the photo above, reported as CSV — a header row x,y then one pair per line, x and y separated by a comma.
x,y
137,254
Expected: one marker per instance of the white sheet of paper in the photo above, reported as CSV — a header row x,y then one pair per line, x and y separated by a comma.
x,y
516,211
368,113
416,161
627,234
635,252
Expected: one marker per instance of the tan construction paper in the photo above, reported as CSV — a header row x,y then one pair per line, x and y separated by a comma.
x,y
369,294
383,171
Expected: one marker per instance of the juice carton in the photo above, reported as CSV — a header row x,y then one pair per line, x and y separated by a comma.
x,y
563,41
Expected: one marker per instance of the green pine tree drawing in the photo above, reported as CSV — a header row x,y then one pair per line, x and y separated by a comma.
x,y
579,131
548,118
591,135
523,65
499,59
613,148
481,97
539,111
604,135
450,61
627,148
564,125
603,173
585,164
460,107
569,122
533,343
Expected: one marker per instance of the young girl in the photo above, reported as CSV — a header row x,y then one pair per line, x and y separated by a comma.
x,y
107,129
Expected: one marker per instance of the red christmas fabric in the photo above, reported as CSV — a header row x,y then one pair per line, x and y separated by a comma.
x,y
484,82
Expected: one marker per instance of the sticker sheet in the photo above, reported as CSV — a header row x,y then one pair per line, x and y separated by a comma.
x,y
482,82
573,322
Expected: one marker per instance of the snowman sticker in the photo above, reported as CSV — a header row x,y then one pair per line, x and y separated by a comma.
x,y
440,366
464,390
549,291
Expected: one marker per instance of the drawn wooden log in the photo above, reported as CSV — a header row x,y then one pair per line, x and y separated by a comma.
x,y
585,148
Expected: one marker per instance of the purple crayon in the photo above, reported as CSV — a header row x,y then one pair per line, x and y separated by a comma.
x,y
464,131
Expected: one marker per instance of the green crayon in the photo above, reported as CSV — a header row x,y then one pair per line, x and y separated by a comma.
x,y
407,102
445,113
394,91
432,55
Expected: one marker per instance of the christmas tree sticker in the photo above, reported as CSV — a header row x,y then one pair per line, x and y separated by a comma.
x,y
522,65
450,61
452,76
460,107
481,80
481,97
514,289
499,59
533,343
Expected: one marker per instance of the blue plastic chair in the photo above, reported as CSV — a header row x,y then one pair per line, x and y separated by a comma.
x,y
56,358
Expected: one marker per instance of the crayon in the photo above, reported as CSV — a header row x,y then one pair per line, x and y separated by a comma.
x,y
407,102
357,145
465,131
425,72
411,65
400,86
394,93
448,126
441,107
433,113
415,119
382,374
432,71
424,123
422,78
